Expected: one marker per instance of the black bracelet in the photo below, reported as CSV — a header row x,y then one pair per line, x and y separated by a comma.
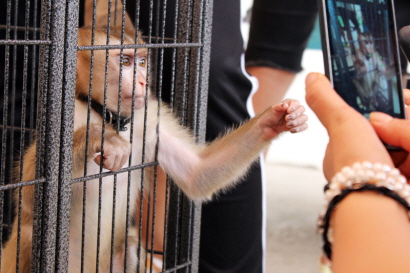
x,y
327,246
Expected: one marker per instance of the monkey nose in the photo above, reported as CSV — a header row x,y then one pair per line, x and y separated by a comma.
x,y
142,80
141,83
141,89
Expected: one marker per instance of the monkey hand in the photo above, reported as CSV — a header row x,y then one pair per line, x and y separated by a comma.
x,y
287,116
116,150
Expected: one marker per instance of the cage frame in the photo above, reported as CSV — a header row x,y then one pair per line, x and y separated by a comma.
x,y
56,84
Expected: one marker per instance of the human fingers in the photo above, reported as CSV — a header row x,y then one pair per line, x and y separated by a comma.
x,y
351,137
391,130
329,107
395,132
353,144
406,95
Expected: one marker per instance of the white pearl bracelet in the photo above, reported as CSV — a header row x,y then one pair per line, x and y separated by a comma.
x,y
360,175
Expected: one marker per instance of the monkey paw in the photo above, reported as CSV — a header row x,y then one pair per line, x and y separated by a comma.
x,y
116,150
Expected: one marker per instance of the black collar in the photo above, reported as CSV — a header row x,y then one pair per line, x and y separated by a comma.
x,y
110,116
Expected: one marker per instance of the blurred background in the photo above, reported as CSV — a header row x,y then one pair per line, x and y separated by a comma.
x,y
294,179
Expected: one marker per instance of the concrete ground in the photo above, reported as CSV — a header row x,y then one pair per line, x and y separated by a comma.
x,y
294,183
293,202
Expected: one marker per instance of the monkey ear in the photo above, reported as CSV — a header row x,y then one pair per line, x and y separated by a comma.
x,y
140,39
129,30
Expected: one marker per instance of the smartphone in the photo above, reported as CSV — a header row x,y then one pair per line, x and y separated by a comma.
x,y
361,54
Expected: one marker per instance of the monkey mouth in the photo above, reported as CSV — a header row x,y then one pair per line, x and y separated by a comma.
x,y
139,102
136,98
139,98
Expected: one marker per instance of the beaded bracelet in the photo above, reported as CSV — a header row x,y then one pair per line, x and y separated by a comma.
x,y
363,176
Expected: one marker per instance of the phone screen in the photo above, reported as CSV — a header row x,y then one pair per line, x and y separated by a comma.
x,y
361,54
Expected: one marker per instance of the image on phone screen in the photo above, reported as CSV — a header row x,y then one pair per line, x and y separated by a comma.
x,y
363,61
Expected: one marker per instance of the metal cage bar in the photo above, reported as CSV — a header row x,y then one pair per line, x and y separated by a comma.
x,y
196,26
64,197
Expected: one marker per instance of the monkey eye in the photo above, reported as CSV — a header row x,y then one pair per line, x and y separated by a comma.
x,y
126,61
142,61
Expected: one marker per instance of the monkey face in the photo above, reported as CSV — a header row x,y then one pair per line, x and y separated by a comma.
x,y
366,44
121,82
119,76
368,47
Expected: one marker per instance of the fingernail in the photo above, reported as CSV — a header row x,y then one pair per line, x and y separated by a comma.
x,y
311,77
379,117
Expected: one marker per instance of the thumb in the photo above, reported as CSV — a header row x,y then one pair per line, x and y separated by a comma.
x,y
329,107
393,131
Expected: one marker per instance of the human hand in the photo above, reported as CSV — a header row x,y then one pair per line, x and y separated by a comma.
x,y
287,116
395,132
351,137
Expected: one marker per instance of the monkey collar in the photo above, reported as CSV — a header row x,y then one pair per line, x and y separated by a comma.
x,y
110,117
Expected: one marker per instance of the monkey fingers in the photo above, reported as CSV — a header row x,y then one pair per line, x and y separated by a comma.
x,y
116,151
296,120
298,124
290,105
115,156
294,112
287,116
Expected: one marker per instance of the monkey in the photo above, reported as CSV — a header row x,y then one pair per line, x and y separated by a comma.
x,y
373,75
200,170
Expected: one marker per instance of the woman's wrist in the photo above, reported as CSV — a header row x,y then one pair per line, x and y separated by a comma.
x,y
364,211
360,177
369,228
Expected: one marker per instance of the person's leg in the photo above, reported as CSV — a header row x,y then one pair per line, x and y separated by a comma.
x,y
232,224
231,229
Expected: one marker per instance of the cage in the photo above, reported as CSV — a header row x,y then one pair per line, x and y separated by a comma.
x,y
38,64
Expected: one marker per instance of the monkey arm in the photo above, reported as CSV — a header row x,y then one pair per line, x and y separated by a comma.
x,y
201,170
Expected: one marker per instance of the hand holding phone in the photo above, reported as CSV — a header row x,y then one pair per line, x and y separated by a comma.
x,y
404,39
